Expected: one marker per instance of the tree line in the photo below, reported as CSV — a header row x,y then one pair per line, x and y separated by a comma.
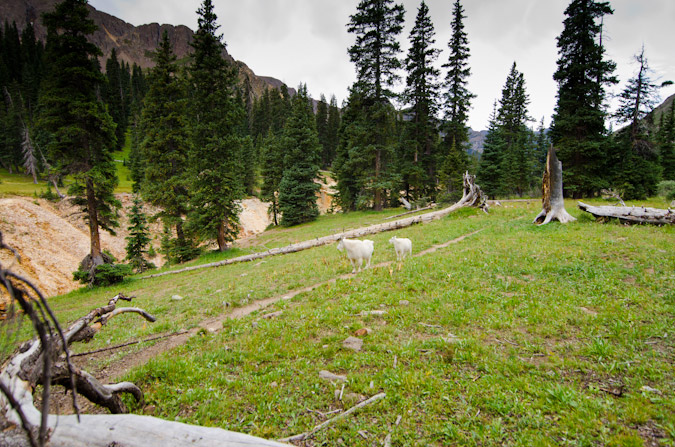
x,y
420,149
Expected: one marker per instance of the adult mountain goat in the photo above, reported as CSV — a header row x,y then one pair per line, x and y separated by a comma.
x,y
357,251
402,246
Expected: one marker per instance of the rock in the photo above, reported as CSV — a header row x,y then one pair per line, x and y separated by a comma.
x,y
353,343
404,302
330,376
274,385
353,398
176,297
365,313
273,314
363,331
648,389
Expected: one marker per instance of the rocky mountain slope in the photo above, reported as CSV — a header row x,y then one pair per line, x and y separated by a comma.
x,y
134,44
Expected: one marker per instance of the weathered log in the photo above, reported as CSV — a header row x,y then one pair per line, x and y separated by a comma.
x,y
553,203
631,214
473,196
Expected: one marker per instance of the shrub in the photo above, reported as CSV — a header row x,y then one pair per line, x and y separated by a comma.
x,y
104,275
667,189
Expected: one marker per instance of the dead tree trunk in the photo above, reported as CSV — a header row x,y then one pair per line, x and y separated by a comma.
x,y
553,204
631,214
473,196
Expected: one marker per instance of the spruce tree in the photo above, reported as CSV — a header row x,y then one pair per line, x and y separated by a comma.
x,y
332,131
82,132
489,174
578,129
417,160
216,115
164,147
454,160
114,97
302,155
667,143
637,168
376,24
322,128
512,116
272,171
139,237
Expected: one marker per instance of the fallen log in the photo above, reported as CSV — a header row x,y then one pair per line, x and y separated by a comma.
x,y
631,214
473,196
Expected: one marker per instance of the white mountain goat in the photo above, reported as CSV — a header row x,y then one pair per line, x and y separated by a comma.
x,y
402,246
357,251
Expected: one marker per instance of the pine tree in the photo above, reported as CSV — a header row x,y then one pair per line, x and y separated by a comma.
x,y
216,114
376,24
164,147
321,118
667,143
302,155
83,133
114,97
578,129
454,160
272,170
139,237
635,160
512,116
417,160
489,174
332,131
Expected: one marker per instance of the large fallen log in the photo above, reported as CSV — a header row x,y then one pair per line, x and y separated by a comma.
x,y
553,204
472,196
631,214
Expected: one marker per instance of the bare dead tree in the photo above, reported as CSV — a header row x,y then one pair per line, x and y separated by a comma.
x,y
553,203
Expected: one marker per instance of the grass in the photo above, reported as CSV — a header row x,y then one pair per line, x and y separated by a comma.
x,y
517,335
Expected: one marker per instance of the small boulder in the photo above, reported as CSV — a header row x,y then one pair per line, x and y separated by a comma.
x,y
353,343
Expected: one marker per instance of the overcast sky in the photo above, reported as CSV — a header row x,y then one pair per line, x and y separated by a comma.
x,y
306,41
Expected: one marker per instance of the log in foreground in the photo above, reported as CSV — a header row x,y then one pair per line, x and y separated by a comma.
x,y
472,196
553,204
631,214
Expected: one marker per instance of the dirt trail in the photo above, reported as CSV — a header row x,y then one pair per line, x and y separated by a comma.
x,y
215,324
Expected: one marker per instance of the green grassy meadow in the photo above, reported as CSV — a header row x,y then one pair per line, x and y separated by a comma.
x,y
516,335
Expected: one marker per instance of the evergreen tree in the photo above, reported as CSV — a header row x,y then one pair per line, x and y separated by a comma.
x,y
332,131
83,133
578,129
489,174
217,113
139,237
302,150
454,160
272,171
667,143
417,160
376,24
114,97
635,159
322,129
512,116
164,147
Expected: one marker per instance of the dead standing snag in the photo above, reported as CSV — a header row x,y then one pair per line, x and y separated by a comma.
x,y
553,203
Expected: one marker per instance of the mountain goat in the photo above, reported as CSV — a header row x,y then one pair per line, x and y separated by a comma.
x,y
402,246
357,251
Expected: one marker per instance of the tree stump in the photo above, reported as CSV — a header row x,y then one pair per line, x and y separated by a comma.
x,y
553,204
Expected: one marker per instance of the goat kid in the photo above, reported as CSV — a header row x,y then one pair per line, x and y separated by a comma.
x,y
402,246
357,252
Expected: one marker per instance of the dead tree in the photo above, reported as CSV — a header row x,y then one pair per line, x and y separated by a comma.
x,y
45,361
631,214
553,204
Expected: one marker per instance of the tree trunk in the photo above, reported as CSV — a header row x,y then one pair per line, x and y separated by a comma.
x,y
221,237
631,214
553,203
92,212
